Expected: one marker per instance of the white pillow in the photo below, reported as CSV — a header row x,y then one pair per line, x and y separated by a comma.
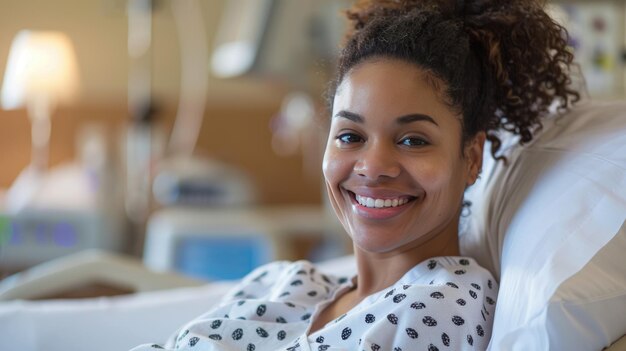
x,y
548,226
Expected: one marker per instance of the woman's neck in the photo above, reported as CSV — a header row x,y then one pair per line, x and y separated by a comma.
x,y
377,271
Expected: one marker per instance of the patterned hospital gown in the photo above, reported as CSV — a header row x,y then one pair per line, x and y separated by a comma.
x,y
445,303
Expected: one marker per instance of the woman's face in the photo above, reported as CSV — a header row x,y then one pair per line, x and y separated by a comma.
x,y
393,164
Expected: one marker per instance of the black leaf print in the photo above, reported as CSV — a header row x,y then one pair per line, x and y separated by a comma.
x,y
432,347
479,330
436,295
345,333
251,347
464,262
473,294
375,347
470,340
281,320
306,317
284,294
262,332
226,315
260,276
296,282
370,318
323,347
312,270
312,293
418,305
483,314
290,304
215,337
398,298
432,264
458,320
429,321
325,278
412,333
461,302
183,335
392,318
281,335
452,285
485,309
261,310
389,293
320,339
237,334
431,282
489,284
445,339
302,271
489,300
476,286
404,287
239,293
193,341
242,318
241,302
155,346
459,272
342,280
397,349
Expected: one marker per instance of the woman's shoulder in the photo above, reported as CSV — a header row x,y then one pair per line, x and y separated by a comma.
x,y
443,301
456,269
281,276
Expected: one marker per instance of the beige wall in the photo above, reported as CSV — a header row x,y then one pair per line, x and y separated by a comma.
x,y
98,29
236,119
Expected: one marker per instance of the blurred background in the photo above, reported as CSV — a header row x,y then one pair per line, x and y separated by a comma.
x,y
189,133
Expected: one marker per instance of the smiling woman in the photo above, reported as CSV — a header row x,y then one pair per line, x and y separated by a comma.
x,y
395,165
420,86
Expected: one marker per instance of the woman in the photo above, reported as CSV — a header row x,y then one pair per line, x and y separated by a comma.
x,y
420,86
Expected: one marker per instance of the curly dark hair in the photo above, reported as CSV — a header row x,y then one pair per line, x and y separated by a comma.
x,y
502,63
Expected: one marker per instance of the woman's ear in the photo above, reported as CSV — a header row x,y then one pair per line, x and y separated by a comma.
x,y
474,157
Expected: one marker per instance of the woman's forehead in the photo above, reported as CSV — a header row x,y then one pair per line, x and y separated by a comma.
x,y
389,87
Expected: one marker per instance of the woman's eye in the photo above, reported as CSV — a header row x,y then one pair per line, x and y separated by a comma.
x,y
349,138
413,141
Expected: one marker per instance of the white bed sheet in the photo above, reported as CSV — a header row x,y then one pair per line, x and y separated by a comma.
x,y
113,323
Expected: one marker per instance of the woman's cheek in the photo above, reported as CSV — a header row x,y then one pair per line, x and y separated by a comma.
x,y
333,167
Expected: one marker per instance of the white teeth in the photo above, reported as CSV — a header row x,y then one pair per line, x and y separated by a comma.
x,y
380,203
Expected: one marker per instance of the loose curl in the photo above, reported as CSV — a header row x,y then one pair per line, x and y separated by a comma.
x,y
502,63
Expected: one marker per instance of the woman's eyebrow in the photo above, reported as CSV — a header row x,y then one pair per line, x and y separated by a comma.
x,y
354,117
406,119
414,118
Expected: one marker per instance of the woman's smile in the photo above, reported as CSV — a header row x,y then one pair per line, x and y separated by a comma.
x,y
379,206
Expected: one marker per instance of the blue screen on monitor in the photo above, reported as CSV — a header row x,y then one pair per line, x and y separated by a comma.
x,y
221,258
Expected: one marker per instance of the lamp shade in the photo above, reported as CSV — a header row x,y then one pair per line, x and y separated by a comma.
x,y
41,66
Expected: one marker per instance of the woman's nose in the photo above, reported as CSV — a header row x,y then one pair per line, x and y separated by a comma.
x,y
376,162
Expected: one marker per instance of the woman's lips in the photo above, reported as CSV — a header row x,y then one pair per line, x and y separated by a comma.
x,y
380,208
381,203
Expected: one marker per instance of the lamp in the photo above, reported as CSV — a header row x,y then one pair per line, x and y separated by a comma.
x,y
41,73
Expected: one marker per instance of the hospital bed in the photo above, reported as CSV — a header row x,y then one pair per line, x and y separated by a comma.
x,y
551,226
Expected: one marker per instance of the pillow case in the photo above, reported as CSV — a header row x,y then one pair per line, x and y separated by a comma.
x,y
549,225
